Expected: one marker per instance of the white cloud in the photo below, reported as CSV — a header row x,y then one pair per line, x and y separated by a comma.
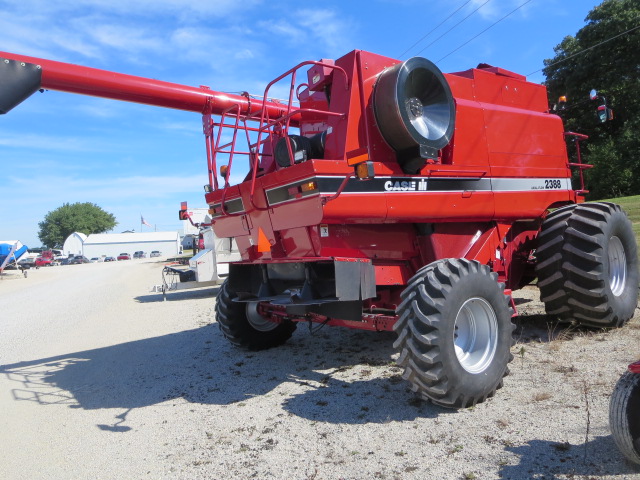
x,y
245,54
49,143
324,29
186,8
496,9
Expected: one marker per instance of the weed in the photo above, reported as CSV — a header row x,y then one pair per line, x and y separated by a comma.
x,y
541,396
562,447
469,476
585,390
521,352
455,449
565,369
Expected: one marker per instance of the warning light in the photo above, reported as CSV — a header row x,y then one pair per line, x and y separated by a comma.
x,y
308,187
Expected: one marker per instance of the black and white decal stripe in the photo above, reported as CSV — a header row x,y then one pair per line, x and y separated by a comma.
x,y
453,184
387,184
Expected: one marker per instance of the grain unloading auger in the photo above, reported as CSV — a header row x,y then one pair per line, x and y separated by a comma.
x,y
386,195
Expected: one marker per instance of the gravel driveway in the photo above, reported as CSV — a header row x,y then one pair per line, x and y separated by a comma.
x,y
101,379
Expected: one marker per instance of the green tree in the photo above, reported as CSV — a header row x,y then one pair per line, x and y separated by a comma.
x,y
602,56
85,217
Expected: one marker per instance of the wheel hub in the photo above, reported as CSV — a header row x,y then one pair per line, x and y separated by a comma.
x,y
256,320
475,335
617,266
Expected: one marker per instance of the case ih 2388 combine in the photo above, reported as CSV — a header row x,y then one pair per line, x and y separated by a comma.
x,y
386,195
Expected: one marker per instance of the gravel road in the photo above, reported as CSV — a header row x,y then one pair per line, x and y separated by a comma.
x,y
101,379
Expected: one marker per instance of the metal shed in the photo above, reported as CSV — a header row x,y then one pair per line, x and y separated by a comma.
x,y
112,244
74,243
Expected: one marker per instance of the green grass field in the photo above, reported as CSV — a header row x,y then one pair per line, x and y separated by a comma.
x,y
631,205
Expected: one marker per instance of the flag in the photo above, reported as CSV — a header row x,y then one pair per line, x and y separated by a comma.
x,y
144,222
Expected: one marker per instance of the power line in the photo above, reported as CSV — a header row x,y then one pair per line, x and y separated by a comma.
x,y
585,50
490,26
436,27
487,1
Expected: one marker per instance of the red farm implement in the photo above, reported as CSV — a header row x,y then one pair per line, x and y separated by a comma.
x,y
386,195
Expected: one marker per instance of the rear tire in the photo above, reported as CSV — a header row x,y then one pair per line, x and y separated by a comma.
x,y
588,265
454,332
244,327
624,420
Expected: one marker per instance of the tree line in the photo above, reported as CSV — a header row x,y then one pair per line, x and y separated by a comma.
x,y
603,55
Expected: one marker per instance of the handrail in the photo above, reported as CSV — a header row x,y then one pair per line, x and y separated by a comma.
x,y
277,121
579,165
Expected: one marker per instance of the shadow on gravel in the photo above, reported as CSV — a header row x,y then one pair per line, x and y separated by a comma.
x,y
551,460
542,328
329,371
205,292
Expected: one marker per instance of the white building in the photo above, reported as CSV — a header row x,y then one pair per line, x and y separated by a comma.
x,y
112,244
73,244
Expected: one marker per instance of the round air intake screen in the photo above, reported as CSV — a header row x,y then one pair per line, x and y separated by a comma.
x,y
414,108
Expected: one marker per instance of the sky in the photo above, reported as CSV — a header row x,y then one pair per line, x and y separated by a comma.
x,y
135,160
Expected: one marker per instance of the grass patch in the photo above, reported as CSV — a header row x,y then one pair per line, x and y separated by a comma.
x,y
631,205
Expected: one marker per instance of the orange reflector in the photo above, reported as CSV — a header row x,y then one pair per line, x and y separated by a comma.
x,y
263,242
308,187
364,170
224,169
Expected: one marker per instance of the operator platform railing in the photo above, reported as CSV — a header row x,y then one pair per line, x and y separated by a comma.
x,y
265,131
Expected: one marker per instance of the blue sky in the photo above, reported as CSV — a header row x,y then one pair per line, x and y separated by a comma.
x,y
134,159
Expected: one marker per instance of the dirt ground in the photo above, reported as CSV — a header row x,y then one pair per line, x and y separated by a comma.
x,y
101,379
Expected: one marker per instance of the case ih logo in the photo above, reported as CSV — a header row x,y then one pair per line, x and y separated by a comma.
x,y
405,186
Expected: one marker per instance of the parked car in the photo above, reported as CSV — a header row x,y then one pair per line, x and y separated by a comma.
x,y
109,259
124,256
95,260
139,254
27,263
155,253
78,259
43,262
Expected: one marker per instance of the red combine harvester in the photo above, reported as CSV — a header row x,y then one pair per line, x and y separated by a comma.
x,y
386,195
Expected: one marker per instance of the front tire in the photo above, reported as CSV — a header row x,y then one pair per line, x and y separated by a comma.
x,y
624,420
454,332
588,265
244,327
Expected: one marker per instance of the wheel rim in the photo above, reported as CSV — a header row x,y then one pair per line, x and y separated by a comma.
x,y
475,335
256,320
617,266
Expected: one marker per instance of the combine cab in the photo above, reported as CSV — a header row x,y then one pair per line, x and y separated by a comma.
x,y
386,195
